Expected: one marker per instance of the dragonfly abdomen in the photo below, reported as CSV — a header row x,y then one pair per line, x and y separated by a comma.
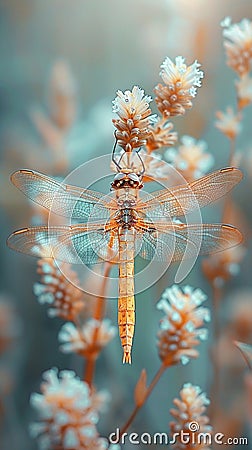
x,y
126,300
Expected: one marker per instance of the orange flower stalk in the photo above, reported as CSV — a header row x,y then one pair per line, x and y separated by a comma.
x,y
190,418
179,88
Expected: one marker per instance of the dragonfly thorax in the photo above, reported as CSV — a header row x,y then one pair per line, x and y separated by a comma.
x,y
126,180
126,218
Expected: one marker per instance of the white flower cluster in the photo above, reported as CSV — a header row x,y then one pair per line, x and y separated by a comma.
x,y
238,44
189,76
81,340
181,328
67,413
237,33
65,300
131,103
190,414
191,158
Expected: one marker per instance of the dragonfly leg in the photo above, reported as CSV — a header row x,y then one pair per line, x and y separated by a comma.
x,y
113,154
143,166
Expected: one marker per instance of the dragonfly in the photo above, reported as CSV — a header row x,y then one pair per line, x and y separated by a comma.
x,y
124,224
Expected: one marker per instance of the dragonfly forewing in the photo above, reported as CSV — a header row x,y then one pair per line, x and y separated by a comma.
x,y
62,199
180,200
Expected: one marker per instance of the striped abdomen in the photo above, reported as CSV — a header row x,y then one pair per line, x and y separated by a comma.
x,y
126,301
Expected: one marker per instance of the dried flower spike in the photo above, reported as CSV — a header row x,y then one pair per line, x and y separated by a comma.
x,y
228,123
191,158
62,95
65,300
244,91
67,413
83,340
190,418
133,110
181,328
181,83
220,267
238,44
161,135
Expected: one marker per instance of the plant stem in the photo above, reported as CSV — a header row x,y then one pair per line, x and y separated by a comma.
x,y
89,370
131,418
215,388
97,315
228,198
100,301
217,294
232,152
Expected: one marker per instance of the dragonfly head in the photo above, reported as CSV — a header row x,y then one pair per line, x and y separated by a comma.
x,y
126,179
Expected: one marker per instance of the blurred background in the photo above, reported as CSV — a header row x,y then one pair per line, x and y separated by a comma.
x,y
62,63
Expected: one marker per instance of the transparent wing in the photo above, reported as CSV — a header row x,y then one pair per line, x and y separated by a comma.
x,y
171,241
74,244
64,200
179,200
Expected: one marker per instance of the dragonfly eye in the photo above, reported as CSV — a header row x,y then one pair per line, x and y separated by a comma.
x,y
134,180
119,180
119,176
134,177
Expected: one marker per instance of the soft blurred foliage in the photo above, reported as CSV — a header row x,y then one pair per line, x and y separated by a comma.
x,y
53,126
